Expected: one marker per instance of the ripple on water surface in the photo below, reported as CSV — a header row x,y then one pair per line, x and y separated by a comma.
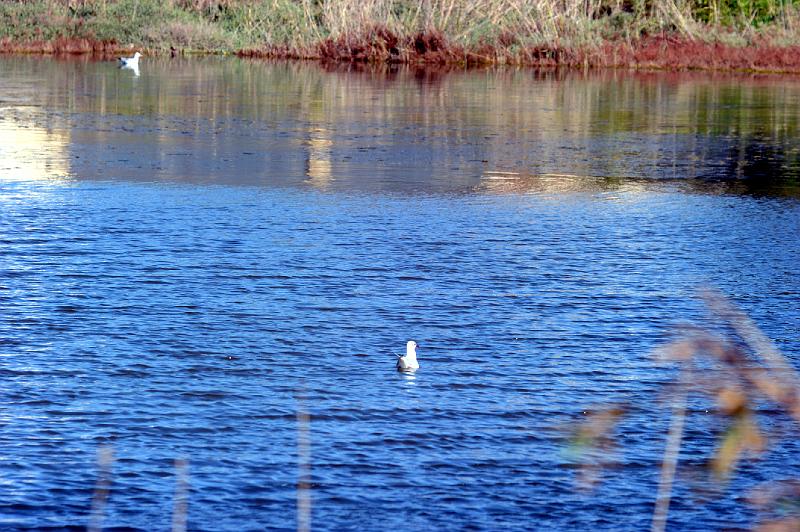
x,y
194,320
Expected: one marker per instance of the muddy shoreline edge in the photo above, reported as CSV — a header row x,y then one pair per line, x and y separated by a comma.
x,y
660,52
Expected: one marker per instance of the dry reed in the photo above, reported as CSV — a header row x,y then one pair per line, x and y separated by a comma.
x,y
102,489
535,32
739,370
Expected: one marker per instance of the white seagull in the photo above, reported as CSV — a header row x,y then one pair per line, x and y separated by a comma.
x,y
409,361
130,62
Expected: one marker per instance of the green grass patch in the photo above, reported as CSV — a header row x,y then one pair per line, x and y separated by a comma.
x,y
145,23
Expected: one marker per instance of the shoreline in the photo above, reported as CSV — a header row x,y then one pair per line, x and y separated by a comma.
x,y
662,52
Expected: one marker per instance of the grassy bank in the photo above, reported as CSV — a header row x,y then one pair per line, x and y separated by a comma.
x,y
749,34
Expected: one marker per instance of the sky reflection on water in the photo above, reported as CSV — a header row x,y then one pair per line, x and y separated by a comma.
x,y
230,121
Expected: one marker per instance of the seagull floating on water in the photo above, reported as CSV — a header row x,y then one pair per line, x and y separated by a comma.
x,y
409,361
130,62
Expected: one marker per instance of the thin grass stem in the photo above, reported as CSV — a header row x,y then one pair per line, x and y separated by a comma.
x,y
102,488
671,452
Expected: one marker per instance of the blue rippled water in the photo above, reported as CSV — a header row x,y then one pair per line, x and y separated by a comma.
x,y
165,317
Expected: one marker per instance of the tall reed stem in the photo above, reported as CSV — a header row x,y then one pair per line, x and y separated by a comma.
x,y
181,502
105,460
670,462
303,470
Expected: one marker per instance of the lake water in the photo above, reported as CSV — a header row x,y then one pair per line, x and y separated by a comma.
x,y
192,256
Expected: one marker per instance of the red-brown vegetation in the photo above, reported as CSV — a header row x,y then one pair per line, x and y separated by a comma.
x,y
63,45
377,44
682,54
380,45
374,45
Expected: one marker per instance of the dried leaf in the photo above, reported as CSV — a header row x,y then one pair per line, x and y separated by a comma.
x,y
743,436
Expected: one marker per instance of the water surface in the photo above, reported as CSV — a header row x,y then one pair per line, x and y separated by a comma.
x,y
190,256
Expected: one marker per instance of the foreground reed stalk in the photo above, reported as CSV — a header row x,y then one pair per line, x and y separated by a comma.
x,y
303,470
670,461
180,506
102,488
739,370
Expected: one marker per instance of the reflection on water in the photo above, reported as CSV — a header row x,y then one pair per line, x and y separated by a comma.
x,y
319,146
398,129
30,152
517,183
409,377
134,69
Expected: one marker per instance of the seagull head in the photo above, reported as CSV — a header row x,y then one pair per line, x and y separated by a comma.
x,y
137,55
411,348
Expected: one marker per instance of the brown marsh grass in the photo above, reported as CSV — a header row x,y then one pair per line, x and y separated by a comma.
x,y
677,34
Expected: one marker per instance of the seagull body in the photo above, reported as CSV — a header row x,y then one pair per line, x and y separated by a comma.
x,y
130,62
409,361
